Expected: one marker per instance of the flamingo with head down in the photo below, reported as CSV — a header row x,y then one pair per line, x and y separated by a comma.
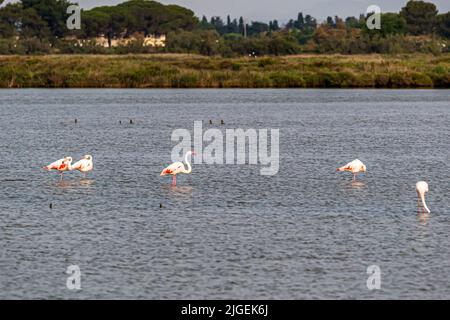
x,y
84,165
61,165
422,189
355,167
178,167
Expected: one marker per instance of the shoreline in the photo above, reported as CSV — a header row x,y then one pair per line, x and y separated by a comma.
x,y
234,89
161,71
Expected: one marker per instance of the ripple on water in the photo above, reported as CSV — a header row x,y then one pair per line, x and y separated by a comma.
x,y
225,231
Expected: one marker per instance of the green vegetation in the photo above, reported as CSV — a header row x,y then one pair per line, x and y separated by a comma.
x,y
39,27
196,71
410,50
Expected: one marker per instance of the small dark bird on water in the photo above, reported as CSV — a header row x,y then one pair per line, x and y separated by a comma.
x,y
51,205
160,206
76,120
221,122
120,121
210,121
131,121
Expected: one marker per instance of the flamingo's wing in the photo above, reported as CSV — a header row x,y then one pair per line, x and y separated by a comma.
x,y
84,165
57,165
354,166
79,165
347,167
357,166
174,168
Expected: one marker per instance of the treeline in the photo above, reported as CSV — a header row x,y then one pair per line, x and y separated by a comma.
x,y
39,26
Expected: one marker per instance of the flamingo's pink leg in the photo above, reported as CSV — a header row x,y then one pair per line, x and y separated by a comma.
x,y
174,180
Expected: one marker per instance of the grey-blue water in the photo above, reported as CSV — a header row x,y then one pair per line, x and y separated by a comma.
x,y
225,231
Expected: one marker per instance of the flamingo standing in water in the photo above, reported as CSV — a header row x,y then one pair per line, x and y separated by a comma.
x,y
61,165
84,165
422,189
178,167
355,167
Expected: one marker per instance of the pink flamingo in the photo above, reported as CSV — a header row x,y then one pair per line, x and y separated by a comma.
x,y
84,165
355,167
422,189
178,167
60,165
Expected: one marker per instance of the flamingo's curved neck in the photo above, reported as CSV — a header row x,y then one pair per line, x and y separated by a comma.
x,y
189,169
422,197
69,166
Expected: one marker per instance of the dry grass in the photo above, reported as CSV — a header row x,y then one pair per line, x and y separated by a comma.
x,y
194,71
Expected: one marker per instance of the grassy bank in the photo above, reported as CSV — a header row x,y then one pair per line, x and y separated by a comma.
x,y
191,71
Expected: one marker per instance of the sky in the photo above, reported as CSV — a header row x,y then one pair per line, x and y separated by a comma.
x,y
282,10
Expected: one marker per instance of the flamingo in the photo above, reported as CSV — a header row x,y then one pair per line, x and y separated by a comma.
x,y
84,165
355,167
61,165
422,189
178,167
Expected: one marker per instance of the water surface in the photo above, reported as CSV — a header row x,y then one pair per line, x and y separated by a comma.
x,y
225,231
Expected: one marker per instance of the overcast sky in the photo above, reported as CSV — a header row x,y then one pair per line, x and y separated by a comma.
x,y
282,10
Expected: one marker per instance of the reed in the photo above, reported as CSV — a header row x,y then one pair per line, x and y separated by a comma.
x,y
195,71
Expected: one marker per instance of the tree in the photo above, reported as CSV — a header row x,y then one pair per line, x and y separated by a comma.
x,y
197,41
10,20
153,17
353,23
338,22
218,24
104,21
241,25
95,23
310,22
26,23
273,25
234,26
444,24
53,12
32,25
137,16
300,23
392,23
290,24
420,17
330,22
257,28
204,24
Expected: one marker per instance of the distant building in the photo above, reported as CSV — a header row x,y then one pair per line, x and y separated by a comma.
x,y
155,41
147,41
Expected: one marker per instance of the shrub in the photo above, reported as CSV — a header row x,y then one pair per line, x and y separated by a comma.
x,y
283,79
422,80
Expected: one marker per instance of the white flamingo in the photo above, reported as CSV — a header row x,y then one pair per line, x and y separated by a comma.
x,y
355,167
85,165
178,167
422,189
61,165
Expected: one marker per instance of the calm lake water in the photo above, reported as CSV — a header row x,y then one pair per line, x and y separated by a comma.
x,y
226,231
